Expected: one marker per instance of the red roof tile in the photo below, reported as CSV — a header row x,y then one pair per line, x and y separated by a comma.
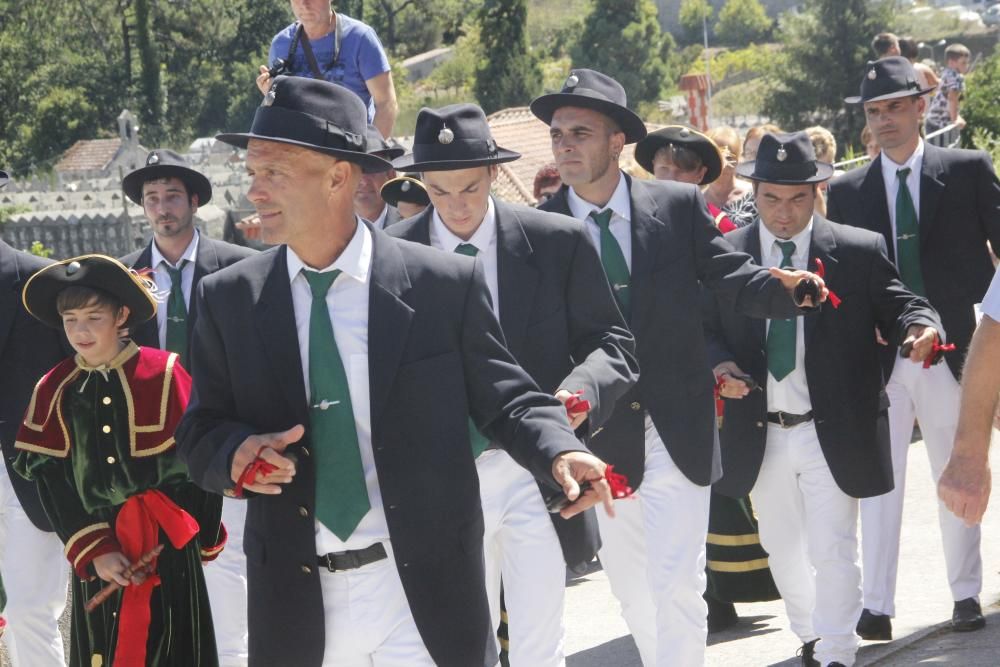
x,y
89,155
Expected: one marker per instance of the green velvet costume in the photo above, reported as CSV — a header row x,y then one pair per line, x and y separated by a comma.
x,y
84,482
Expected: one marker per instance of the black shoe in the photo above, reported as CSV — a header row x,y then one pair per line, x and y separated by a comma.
x,y
968,616
874,627
807,654
836,664
721,615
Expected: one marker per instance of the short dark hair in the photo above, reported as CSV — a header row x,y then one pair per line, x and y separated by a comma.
x,y
908,48
883,42
189,189
80,296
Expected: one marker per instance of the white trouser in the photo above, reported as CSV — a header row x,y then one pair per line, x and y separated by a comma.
x,y
654,555
521,548
808,527
36,576
368,620
226,580
932,395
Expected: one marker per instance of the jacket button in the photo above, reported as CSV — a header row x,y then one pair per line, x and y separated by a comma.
x,y
106,400
303,512
760,424
305,450
111,459
106,429
636,406
392,507
306,569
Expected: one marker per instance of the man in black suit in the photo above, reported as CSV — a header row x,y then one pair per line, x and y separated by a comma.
x,y
561,323
936,208
658,243
369,354
822,398
368,201
28,546
170,193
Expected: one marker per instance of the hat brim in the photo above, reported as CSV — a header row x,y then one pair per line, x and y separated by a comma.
x,y
857,99
392,192
710,156
407,163
134,180
545,106
389,154
748,170
42,289
369,163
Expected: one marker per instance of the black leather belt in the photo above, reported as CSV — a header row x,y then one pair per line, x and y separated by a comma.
x,y
788,419
352,560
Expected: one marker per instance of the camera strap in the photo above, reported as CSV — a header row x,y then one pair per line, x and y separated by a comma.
x,y
307,48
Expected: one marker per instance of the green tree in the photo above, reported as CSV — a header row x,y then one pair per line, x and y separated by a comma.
x,y
622,38
979,106
743,22
507,73
822,62
692,17
150,90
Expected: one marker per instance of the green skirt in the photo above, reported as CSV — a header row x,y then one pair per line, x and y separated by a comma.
x,y
736,562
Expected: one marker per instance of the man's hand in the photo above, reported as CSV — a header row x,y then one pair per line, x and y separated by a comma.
x,y
731,387
571,468
965,485
270,447
111,567
264,80
922,338
790,278
574,420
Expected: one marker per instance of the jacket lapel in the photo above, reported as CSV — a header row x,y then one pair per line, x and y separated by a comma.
x,y
876,205
206,263
421,228
931,189
749,242
516,275
275,320
823,246
389,318
147,334
645,229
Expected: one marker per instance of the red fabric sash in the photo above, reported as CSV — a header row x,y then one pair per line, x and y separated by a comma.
x,y
138,531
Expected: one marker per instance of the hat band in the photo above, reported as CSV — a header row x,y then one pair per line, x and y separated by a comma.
x,y
282,123
775,171
457,150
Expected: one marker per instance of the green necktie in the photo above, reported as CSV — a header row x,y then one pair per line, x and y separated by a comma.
x,y
781,333
908,236
614,262
478,440
341,493
177,332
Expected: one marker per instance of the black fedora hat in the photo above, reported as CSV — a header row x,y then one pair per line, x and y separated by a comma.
x,y
886,79
683,137
165,163
592,90
406,189
456,136
4,179
787,159
41,292
313,114
379,147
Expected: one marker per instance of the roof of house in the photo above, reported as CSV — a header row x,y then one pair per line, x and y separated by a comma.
x,y
89,155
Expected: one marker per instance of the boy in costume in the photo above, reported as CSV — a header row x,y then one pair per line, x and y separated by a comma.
x,y
98,439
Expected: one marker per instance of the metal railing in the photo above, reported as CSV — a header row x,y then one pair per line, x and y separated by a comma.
x,y
847,164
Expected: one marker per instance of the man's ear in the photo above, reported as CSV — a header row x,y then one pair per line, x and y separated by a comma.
x,y
494,172
122,317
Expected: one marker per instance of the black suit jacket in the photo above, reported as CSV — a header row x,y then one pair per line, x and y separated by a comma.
x,y
845,382
436,356
392,216
959,213
676,246
561,324
212,255
28,350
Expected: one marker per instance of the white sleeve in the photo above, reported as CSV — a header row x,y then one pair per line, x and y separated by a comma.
x,y
991,302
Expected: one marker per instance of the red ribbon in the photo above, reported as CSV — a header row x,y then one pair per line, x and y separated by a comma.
x,y
821,271
936,351
618,483
576,404
137,528
249,475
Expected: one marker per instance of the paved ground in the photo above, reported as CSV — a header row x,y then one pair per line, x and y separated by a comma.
x,y
598,637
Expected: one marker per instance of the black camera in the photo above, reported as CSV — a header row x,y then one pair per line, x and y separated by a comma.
x,y
278,67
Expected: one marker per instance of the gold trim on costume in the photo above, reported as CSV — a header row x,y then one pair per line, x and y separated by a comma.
x,y
126,353
733,540
84,552
81,533
134,428
746,566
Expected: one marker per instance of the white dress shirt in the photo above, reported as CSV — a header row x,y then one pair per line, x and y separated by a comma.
x,y
485,240
379,222
791,394
621,218
164,285
889,169
347,301
991,302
